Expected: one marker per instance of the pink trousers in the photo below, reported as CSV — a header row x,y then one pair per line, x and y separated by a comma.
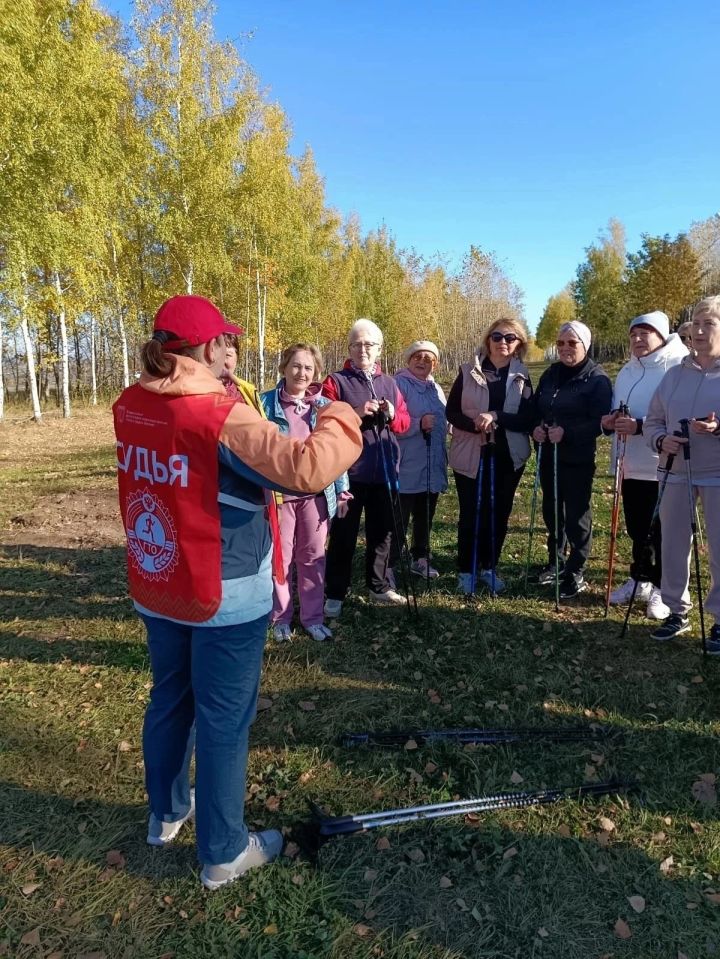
x,y
303,531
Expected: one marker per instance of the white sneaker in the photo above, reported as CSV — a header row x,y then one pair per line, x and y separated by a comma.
x,y
261,849
388,598
420,567
622,594
162,833
319,632
281,633
333,608
656,609
486,579
465,583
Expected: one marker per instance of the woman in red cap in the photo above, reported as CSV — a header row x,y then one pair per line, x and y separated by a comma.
x,y
193,466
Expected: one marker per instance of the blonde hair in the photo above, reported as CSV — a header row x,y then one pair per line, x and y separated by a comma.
x,y
517,328
290,351
710,304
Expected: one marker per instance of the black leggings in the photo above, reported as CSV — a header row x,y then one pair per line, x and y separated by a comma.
x,y
574,509
506,482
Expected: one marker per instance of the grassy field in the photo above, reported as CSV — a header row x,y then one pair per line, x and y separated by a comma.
x,y
628,876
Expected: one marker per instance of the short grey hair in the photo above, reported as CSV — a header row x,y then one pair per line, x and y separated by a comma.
x,y
365,326
710,304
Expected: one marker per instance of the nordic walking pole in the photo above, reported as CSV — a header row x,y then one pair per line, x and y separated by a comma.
x,y
476,533
557,528
398,526
685,430
491,454
428,444
653,521
533,507
615,516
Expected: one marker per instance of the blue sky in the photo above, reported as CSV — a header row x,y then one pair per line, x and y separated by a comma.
x,y
520,127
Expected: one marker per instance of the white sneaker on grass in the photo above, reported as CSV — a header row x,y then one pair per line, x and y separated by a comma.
x,y
281,633
388,598
465,583
261,849
319,632
656,609
162,833
420,568
622,594
333,608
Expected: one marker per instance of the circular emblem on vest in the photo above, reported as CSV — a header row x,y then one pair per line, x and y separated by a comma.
x,y
151,536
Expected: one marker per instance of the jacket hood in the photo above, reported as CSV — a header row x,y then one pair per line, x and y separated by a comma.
x,y
405,374
188,378
670,350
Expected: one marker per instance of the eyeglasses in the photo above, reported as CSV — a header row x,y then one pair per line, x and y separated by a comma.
x,y
423,357
571,344
363,346
499,337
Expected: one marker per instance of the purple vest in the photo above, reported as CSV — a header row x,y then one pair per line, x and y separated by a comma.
x,y
353,388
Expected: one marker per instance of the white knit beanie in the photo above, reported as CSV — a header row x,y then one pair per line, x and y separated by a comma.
x,y
581,331
426,346
657,320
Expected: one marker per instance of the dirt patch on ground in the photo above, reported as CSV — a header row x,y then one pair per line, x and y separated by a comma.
x,y
89,519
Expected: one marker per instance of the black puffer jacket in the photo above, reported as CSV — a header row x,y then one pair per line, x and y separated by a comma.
x,y
576,404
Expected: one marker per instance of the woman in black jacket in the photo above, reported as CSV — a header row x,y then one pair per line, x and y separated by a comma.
x,y
571,397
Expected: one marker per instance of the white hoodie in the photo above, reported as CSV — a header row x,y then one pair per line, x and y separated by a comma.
x,y
635,384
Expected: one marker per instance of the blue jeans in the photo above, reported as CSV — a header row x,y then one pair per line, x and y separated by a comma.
x,y
204,696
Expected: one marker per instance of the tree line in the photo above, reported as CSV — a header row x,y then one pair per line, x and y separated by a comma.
x,y
612,285
142,160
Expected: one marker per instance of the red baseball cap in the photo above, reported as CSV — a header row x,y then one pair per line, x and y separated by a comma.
x,y
193,320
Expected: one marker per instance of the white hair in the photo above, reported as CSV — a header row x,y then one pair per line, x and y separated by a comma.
x,y
711,304
365,326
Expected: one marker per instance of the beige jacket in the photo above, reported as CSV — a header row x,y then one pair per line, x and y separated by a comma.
x,y
465,447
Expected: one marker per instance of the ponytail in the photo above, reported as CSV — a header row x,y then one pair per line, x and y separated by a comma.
x,y
155,361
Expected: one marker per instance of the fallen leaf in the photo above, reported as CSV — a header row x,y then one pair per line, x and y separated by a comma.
x,y
666,865
31,938
597,758
682,689
713,897
462,905
360,929
115,858
542,932
590,773
637,902
291,850
516,778
263,703
272,803
430,768
29,888
622,930
607,824
564,830
658,837
445,882
703,790
410,744
57,862
697,679
370,875
124,746
603,838
307,705
271,929
382,843
415,855
298,879
509,853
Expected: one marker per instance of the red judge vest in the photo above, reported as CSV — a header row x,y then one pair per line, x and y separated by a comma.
x,y
168,486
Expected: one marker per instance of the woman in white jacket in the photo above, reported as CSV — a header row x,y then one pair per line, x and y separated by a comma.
x,y
654,351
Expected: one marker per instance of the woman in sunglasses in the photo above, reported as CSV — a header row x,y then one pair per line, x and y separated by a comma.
x,y
490,402
572,395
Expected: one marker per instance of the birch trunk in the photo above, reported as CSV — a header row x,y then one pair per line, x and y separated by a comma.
x,y
2,381
93,365
29,355
124,346
64,356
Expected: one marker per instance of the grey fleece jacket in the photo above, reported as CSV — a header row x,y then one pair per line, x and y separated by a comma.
x,y
685,392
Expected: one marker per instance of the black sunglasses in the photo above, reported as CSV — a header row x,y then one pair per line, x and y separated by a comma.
x,y
508,337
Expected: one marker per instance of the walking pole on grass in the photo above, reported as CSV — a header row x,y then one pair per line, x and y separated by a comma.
x,y
653,521
398,738
428,443
615,517
533,507
476,533
344,825
685,430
